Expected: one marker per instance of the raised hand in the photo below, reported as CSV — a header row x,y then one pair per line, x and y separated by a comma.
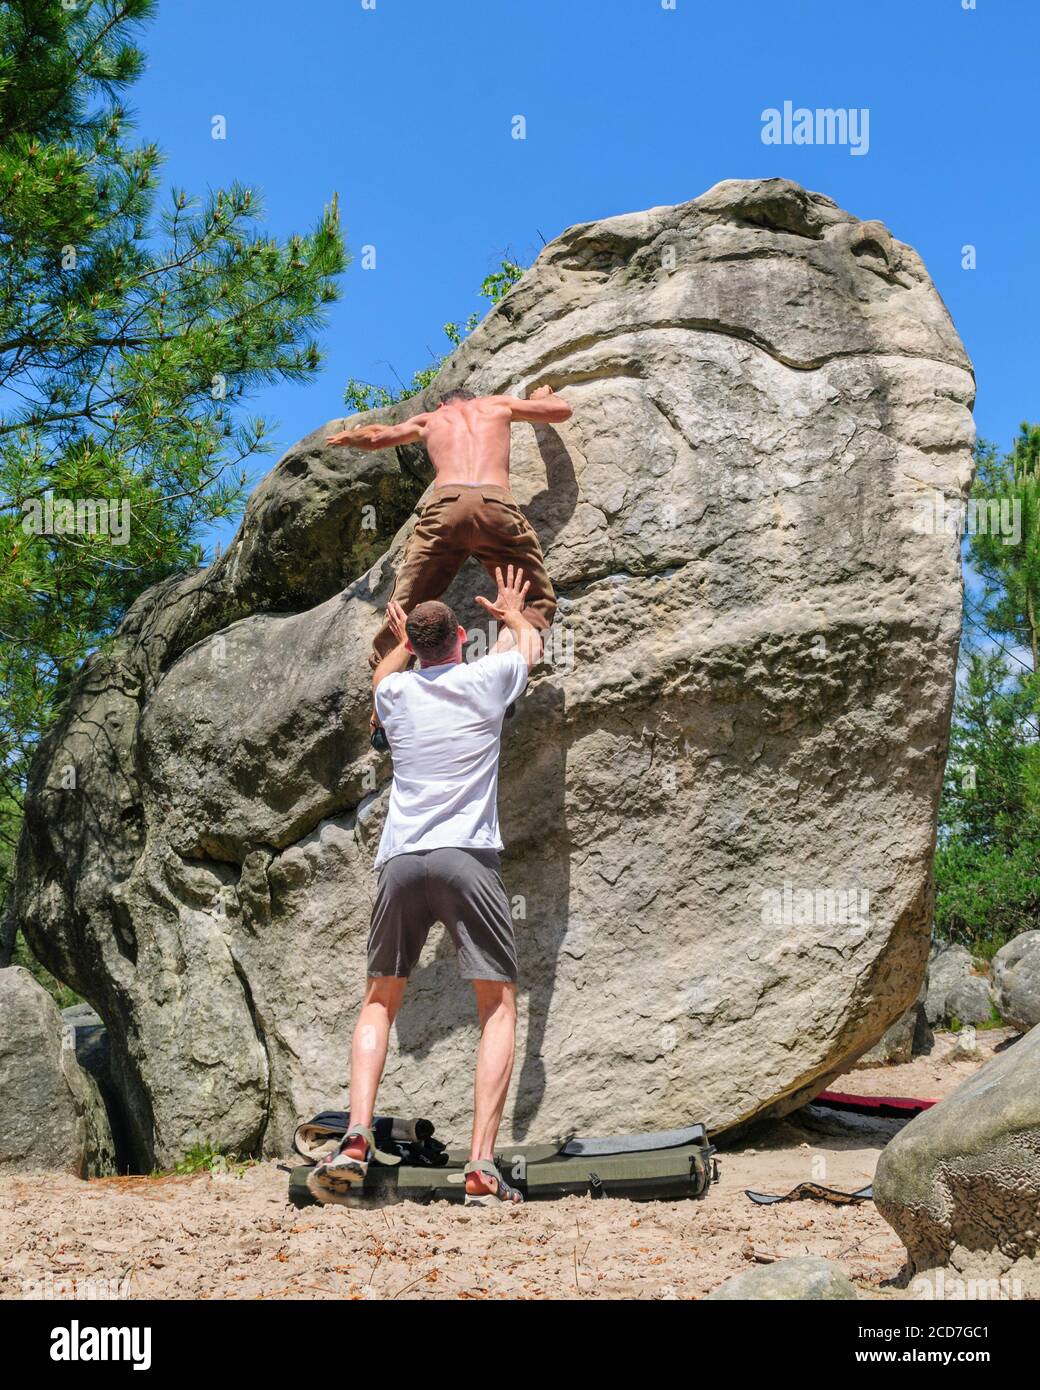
x,y
396,618
511,596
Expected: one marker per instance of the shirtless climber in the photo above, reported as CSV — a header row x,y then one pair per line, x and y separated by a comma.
x,y
470,510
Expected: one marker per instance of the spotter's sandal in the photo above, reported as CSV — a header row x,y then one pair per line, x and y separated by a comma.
x,y
503,1193
335,1175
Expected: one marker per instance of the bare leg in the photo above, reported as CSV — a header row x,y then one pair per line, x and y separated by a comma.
x,y
383,995
496,1006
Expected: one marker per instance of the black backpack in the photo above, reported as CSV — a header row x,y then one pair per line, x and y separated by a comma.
x,y
411,1141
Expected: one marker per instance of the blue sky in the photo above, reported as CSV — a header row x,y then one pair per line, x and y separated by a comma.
x,y
405,108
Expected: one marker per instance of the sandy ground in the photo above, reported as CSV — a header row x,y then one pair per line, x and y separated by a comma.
x,y
225,1236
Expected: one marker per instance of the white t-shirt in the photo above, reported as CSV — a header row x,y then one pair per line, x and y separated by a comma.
x,y
444,726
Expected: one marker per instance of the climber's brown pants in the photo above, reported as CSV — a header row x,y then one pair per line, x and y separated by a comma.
x,y
459,521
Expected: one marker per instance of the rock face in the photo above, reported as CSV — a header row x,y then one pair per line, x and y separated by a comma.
x,y
1016,980
94,1054
800,1278
719,795
969,1001
960,1184
955,988
909,1036
51,1114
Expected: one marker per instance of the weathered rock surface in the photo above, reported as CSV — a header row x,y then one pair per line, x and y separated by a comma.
x,y
895,1045
748,698
1016,980
94,1054
960,1184
956,989
965,1045
901,1041
969,1001
807,1277
51,1114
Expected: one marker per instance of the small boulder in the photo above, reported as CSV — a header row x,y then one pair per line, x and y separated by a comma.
x,y
955,989
969,1001
965,1046
89,1037
1016,981
51,1112
805,1277
960,1184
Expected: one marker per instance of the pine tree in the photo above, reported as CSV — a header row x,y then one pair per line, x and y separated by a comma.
x,y
987,866
131,333
1007,556
986,799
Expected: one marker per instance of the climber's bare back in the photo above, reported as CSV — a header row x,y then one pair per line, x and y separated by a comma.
x,y
467,440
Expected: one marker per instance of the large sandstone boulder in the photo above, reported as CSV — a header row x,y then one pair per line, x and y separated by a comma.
x,y
51,1114
960,1184
719,795
1016,980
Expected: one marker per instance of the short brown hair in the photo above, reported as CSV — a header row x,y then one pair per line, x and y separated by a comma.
x,y
458,394
431,629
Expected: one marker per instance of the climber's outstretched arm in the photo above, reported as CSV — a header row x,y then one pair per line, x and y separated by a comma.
x,y
372,437
542,407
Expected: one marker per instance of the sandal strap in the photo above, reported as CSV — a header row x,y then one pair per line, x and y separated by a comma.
x,y
375,1155
485,1166
490,1169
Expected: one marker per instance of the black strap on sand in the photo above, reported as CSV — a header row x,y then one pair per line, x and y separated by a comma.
x,y
813,1191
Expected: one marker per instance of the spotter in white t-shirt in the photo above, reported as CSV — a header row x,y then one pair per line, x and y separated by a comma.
x,y
444,726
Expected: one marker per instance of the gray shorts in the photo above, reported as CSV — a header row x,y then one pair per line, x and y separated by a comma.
x,y
462,888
